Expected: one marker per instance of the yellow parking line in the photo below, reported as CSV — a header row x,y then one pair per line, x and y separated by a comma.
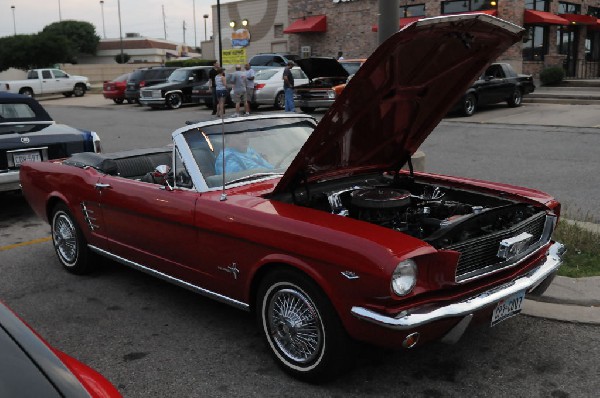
x,y
31,242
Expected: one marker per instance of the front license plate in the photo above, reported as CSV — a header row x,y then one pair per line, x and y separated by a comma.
x,y
32,156
508,307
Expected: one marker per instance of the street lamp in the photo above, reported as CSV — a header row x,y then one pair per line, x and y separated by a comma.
x,y
219,29
205,18
59,13
195,41
14,23
103,26
120,30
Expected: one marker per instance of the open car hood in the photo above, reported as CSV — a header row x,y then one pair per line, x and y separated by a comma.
x,y
315,67
399,96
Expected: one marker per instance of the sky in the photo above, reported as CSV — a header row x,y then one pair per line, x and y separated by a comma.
x,y
139,16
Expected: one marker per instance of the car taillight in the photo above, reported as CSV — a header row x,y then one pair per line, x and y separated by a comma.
x,y
259,86
142,83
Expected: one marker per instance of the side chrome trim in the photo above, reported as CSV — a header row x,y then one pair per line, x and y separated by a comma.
x,y
168,278
421,316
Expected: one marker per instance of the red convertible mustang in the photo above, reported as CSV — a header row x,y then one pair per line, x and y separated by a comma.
x,y
315,227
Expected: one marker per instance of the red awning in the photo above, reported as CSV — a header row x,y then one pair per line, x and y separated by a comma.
x,y
403,22
543,18
493,12
316,23
579,19
596,26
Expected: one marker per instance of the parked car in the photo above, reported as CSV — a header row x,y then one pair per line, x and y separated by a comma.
x,y
145,77
47,81
28,133
315,227
269,86
269,60
177,90
31,367
115,89
499,83
324,74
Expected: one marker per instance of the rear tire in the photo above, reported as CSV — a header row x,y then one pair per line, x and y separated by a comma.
x,y
469,105
69,243
301,327
26,91
118,101
173,101
280,100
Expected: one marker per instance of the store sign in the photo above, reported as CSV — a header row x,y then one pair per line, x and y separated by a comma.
x,y
234,56
240,38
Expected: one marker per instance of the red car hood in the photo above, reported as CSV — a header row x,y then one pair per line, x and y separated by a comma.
x,y
399,96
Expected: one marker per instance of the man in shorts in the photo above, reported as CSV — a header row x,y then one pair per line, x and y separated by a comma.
x,y
249,87
239,88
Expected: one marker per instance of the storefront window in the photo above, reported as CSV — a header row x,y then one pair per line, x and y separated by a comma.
x,y
594,11
452,7
539,5
536,46
568,8
564,40
417,10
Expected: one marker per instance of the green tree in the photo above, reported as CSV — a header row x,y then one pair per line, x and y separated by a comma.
x,y
81,34
34,51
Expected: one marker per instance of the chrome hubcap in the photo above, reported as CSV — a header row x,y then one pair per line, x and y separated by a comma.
x,y
65,239
295,325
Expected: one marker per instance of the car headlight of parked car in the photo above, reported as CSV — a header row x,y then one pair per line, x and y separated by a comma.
x,y
331,94
404,277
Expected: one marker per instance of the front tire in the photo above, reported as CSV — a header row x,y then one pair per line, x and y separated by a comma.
x,y
300,326
516,99
26,91
173,101
469,105
69,243
79,90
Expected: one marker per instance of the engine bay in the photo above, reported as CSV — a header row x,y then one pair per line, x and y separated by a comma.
x,y
439,215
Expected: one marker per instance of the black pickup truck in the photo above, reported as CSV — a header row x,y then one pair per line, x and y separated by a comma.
x,y
177,90
499,83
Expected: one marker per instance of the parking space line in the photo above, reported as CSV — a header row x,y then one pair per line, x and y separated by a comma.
x,y
31,242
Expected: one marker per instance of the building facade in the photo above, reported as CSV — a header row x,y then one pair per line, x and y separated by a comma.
x,y
559,33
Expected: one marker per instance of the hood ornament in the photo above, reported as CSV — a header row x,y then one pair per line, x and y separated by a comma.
x,y
25,140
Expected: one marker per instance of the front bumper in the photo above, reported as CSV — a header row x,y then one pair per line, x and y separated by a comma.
x,y
324,103
419,317
9,181
152,101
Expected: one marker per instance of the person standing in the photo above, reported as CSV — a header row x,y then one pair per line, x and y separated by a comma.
x,y
212,74
250,86
239,89
220,91
288,87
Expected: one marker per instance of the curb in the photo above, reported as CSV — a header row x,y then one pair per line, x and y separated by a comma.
x,y
562,312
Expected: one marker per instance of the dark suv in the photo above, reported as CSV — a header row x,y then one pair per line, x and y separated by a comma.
x,y
177,90
145,77
270,60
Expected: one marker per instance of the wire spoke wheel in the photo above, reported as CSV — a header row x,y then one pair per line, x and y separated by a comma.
x,y
64,237
295,325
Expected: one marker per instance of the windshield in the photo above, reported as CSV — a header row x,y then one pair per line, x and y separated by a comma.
x,y
254,149
179,76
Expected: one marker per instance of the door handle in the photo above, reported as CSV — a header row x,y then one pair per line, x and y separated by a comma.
x,y
100,186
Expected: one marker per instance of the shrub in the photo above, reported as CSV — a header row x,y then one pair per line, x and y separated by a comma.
x,y
552,76
125,59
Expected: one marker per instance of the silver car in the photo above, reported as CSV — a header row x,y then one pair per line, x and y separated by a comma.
x,y
269,86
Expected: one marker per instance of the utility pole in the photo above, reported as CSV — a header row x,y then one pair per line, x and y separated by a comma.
x,y
219,29
164,22
388,18
184,32
120,31
195,41
14,20
103,26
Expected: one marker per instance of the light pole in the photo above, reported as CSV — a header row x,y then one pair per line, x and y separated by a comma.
x,y
205,18
219,29
103,26
59,12
14,23
195,41
120,30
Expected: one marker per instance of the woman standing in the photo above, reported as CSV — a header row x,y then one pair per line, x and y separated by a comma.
x,y
221,86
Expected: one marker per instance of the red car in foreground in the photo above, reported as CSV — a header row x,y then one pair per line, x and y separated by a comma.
x,y
315,227
30,367
115,89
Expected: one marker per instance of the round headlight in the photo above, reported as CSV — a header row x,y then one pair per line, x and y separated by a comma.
x,y
404,277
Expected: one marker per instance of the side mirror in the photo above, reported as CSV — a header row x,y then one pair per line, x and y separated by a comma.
x,y
191,78
161,176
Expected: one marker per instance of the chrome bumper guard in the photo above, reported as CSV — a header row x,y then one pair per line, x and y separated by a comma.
x,y
427,314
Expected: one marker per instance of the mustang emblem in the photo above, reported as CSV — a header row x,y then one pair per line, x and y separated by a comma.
x,y
25,140
511,247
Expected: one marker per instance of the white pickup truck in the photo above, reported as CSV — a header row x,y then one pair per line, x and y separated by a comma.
x,y
47,81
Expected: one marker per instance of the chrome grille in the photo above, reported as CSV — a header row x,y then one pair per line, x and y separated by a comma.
x,y
478,256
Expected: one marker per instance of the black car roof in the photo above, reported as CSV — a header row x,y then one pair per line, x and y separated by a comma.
x,y
40,113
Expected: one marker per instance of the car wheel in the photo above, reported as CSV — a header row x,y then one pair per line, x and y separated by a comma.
x,y
130,101
79,90
69,243
307,109
69,94
469,105
118,100
26,91
300,326
173,101
280,100
516,99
